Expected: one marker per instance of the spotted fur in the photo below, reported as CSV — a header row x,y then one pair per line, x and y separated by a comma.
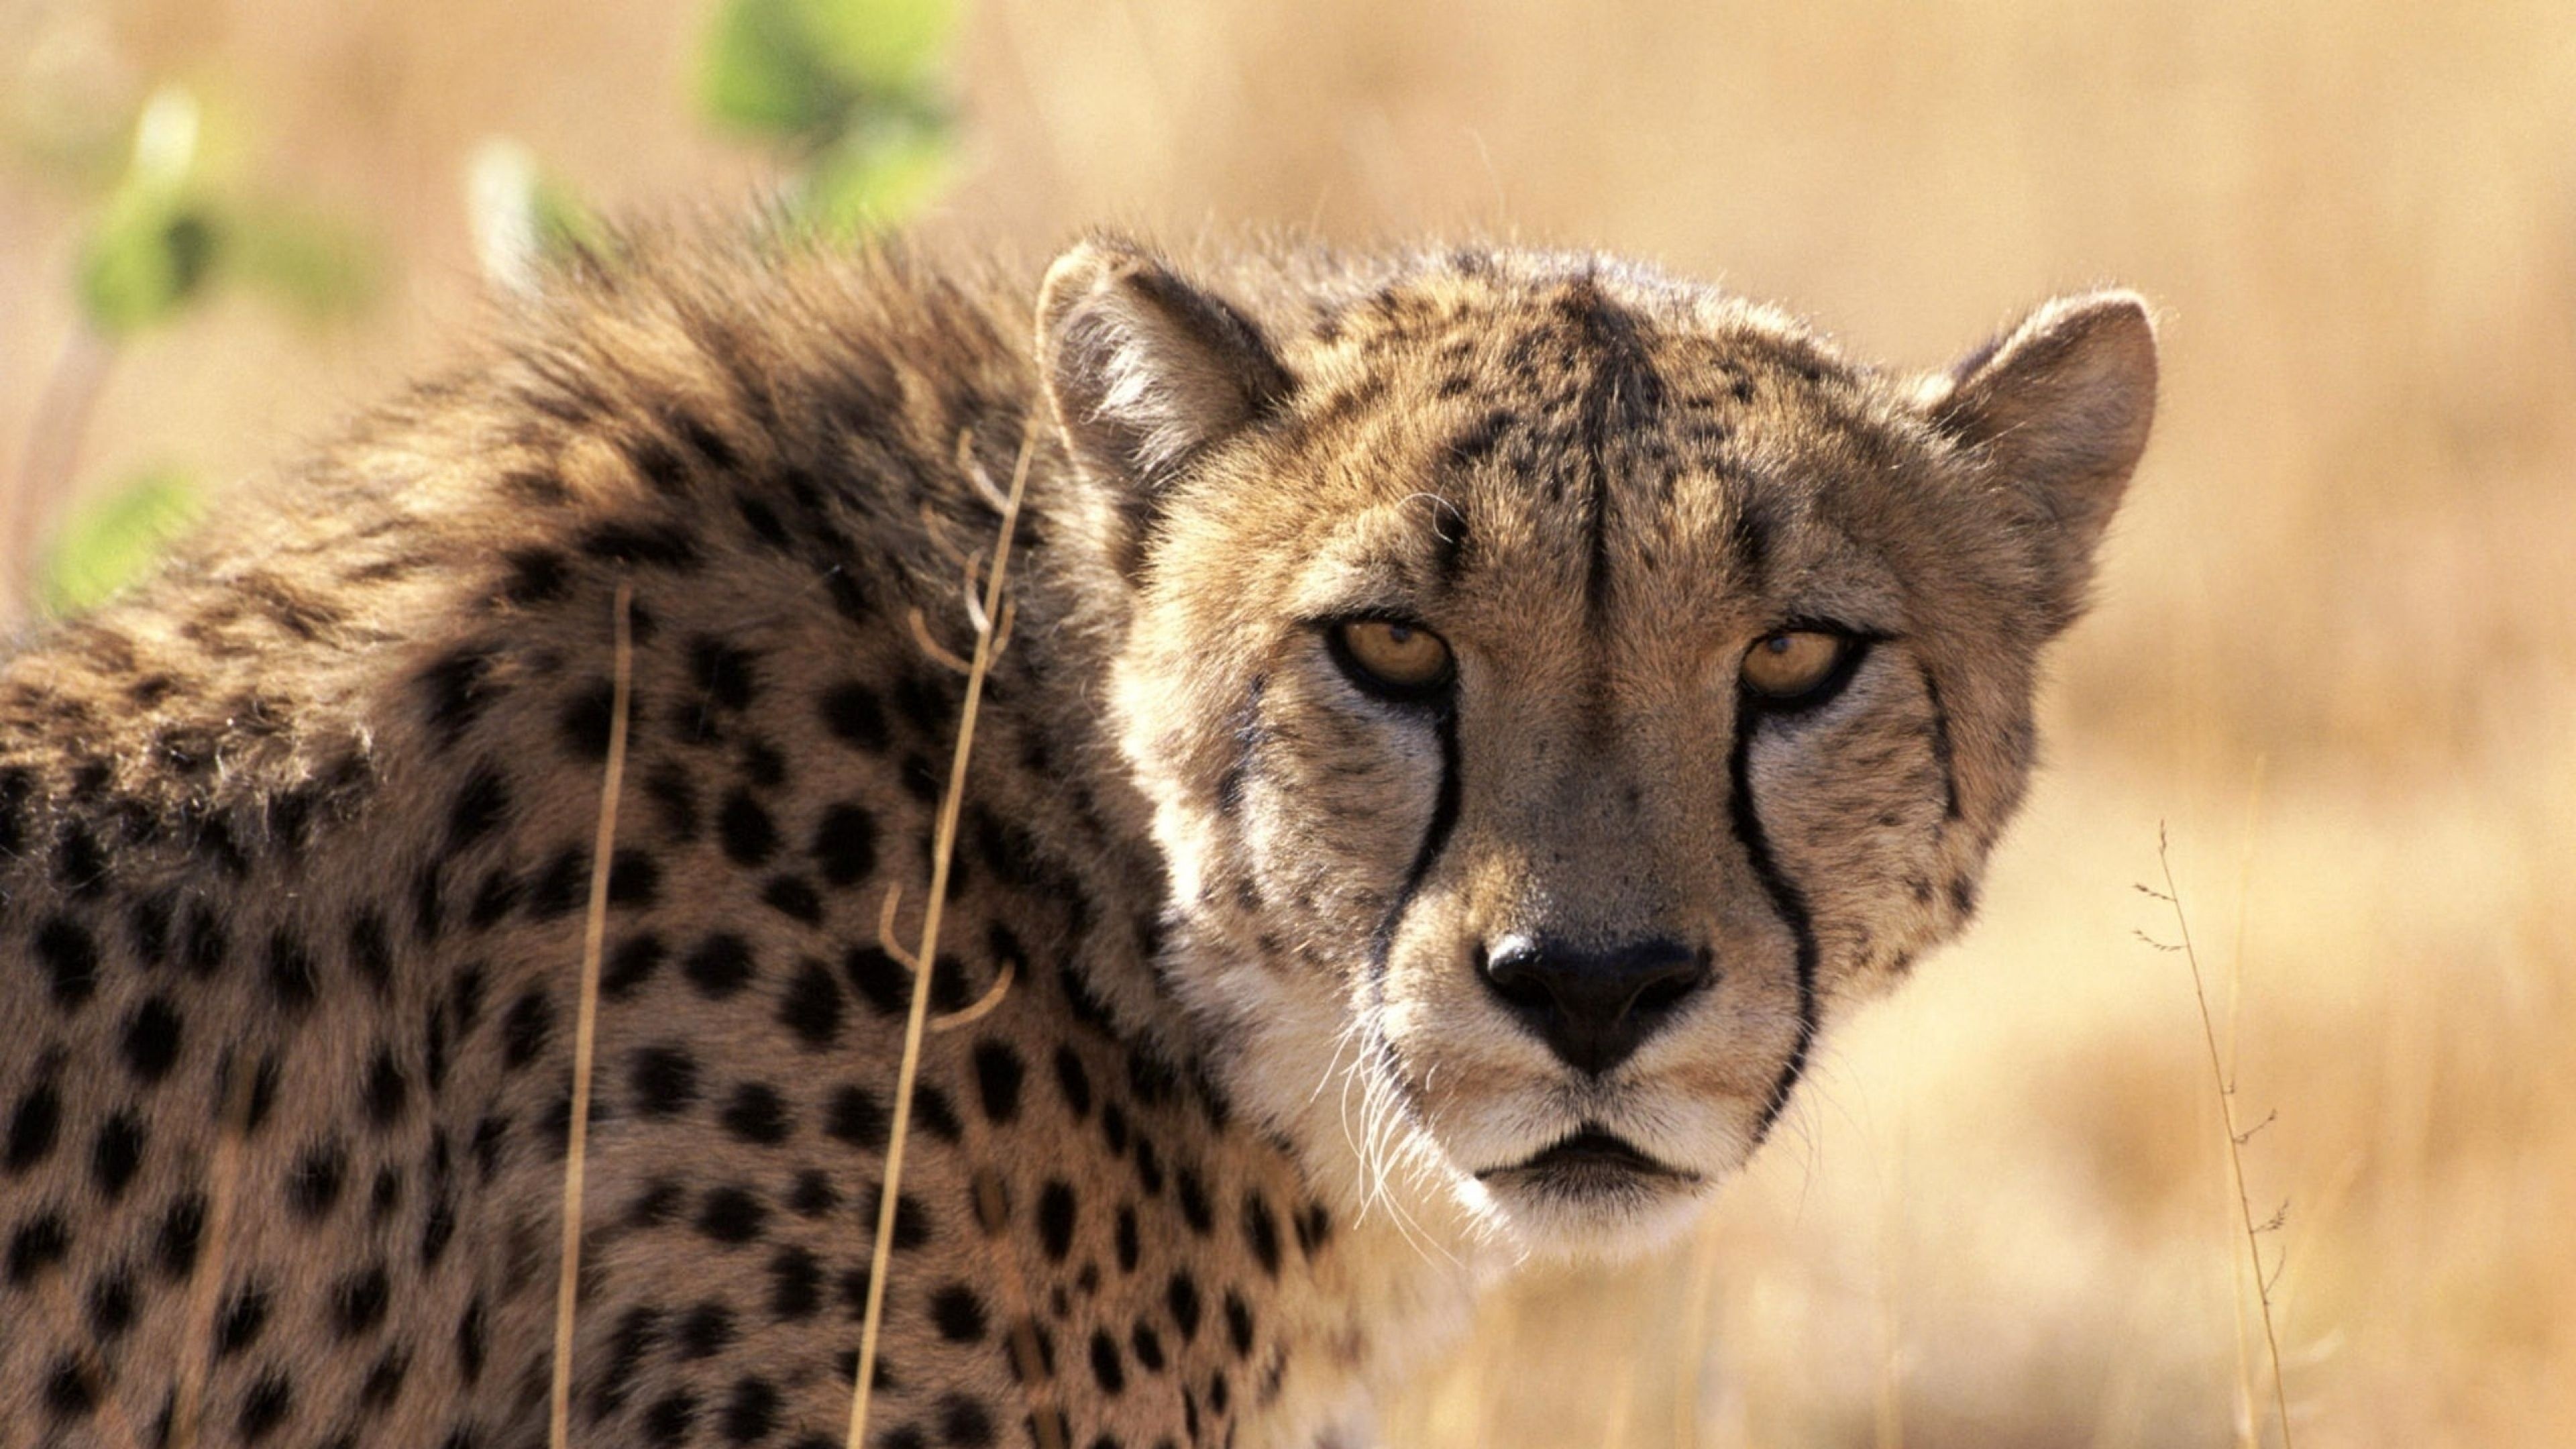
x,y
295,840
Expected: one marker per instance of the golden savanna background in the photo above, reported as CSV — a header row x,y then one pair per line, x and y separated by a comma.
x,y
2335,650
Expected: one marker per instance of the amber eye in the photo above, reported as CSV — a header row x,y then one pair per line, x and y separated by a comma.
x,y
1401,661
1793,663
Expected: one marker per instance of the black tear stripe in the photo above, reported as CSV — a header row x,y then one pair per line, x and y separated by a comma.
x,y
1435,837
1941,754
1789,901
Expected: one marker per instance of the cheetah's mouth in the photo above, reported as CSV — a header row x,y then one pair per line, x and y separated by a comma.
x,y
1592,1158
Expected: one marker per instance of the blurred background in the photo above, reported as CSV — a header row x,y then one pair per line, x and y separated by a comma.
x,y
2334,657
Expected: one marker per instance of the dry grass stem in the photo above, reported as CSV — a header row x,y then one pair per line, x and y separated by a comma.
x,y
2237,1137
586,1022
880,1261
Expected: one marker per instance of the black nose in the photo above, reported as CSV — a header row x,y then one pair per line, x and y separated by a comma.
x,y
1593,1008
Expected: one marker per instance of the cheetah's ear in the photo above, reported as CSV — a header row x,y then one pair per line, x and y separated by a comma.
x,y
2060,405
1145,370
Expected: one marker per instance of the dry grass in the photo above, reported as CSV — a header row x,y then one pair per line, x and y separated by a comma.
x,y
1999,1216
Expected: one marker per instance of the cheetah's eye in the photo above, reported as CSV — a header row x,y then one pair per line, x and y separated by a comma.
x,y
1392,660
1793,664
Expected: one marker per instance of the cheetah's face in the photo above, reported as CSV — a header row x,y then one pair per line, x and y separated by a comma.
x,y
1561,690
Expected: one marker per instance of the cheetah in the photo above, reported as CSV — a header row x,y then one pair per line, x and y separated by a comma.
x,y
1468,719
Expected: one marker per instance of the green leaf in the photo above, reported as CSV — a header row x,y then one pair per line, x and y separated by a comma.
x,y
877,178
891,46
317,267
157,241
806,71
111,540
150,257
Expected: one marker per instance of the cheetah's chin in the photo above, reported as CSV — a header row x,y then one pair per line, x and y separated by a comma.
x,y
1591,1194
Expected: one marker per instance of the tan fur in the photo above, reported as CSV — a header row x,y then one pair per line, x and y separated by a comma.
x,y
297,825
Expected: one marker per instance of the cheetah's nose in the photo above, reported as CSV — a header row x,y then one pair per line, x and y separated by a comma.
x,y
1592,1008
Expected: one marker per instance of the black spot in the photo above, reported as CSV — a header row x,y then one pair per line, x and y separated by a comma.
x,y
385,1092
664,1080
437,1229
537,576
561,886
358,1301
1130,1248
175,1242
751,1414
112,1305
117,1153
384,1380
795,1285
721,966
1056,1212
660,466
757,1114
313,1188
243,1318
731,1215
657,545
812,1005
631,965
1238,1323
495,898
723,673
881,981
794,896
958,1314
1113,1127
473,1338
1147,1346
266,1408
658,1205
963,1423
675,800
932,1114
43,1241
635,1335
33,1128
292,979
926,703
845,844
633,879
490,1133
706,1331
370,953
813,1195
1106,1368
69,1394
762,764
526,1027
744,828
1218,1392
669,1420
1194,1202
1181,1295
70,959
481,804
1963,897
1314,1229
851,711
455,690
1073,1081
1262,1232
911,1219
856,1118
997,1080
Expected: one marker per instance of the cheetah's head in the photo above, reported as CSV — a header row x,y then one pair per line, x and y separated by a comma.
x,y
1562,689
